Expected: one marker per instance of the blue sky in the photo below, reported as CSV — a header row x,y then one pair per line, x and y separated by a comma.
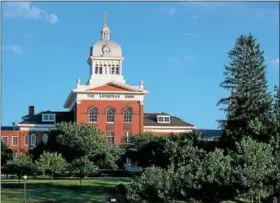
x,y
178,48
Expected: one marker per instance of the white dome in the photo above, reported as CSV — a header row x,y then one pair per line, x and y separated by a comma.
x,y
113,49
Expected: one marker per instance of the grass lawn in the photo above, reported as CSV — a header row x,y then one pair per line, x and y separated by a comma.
x,y
60,191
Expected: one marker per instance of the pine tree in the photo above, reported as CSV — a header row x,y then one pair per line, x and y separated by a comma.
x,y
245,77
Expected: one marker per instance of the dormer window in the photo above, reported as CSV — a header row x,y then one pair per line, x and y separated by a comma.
x,y
48,117
163,119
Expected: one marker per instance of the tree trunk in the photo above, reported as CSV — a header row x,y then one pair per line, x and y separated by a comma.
x,y
19,179
51,177
80,181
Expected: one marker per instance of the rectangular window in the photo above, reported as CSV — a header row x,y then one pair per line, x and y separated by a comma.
x,y
5,139
100,70
127,136
166,119
96,69
14,141
163,119
48,117
26,139
110,139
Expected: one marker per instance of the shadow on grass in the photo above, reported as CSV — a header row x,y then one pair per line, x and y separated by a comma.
x,y
57,193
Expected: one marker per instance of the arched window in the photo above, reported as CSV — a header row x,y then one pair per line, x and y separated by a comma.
x,y
33,139
127,115
92,115
26,139
45,138
110,115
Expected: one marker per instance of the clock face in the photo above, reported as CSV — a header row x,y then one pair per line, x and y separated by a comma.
x,y
106,49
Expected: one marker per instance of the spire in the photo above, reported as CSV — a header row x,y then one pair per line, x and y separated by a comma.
x,y
105,32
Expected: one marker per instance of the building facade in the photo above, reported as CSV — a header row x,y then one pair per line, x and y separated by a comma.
x,y
106,100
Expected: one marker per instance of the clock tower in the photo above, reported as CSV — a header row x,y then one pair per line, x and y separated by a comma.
x,y
105,59
106,101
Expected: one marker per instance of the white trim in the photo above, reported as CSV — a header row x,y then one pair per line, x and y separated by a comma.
x,y
28,137
168,130
13,141
36,125
48,115
170,127
35,139
45,135
34,129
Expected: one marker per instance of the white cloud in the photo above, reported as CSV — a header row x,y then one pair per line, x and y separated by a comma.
x,y
26,10
276,61
16,49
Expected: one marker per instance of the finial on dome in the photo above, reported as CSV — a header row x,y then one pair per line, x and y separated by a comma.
x,y
105,18
78,82
141,86
105,32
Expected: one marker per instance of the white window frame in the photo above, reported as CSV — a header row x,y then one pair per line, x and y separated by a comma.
x,y
33,135
46,117
43,138
126,116
13,140
163,118
6,138
27,136
127,135
92,110
114,113
110,134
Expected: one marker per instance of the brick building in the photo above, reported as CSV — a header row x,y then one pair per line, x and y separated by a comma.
x,y
106,100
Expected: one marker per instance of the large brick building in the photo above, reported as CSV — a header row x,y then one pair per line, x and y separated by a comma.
x,y
106,100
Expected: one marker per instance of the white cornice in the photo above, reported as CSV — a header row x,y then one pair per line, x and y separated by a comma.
x,y
36,125
168,130
169,127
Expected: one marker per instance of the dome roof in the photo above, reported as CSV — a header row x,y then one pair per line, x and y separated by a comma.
x,y
113,49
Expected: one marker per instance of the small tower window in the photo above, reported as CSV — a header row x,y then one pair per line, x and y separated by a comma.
x,y
96,69
113,69
100,69
117,70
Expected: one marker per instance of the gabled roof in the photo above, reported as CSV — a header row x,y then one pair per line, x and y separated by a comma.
x,y
150,119
66,116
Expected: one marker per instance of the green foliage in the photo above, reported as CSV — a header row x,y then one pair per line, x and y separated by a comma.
x,y
252,166
21,165
82,167
6,154
246,79
51,163
74,141
154,185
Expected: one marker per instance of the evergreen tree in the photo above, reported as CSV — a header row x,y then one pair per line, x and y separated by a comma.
x,y
245,77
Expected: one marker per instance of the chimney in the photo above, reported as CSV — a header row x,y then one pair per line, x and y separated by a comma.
x,y
31,110
14,125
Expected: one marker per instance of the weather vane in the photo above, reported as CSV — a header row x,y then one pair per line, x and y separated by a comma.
x,y
105,18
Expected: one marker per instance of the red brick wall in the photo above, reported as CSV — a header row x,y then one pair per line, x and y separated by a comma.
x,y
119,126
21,138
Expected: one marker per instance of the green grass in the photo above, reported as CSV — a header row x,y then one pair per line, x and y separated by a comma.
x,y
61,191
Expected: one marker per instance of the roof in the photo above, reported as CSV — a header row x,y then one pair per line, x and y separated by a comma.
x,y
61,116
150,119
10,128
209,133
